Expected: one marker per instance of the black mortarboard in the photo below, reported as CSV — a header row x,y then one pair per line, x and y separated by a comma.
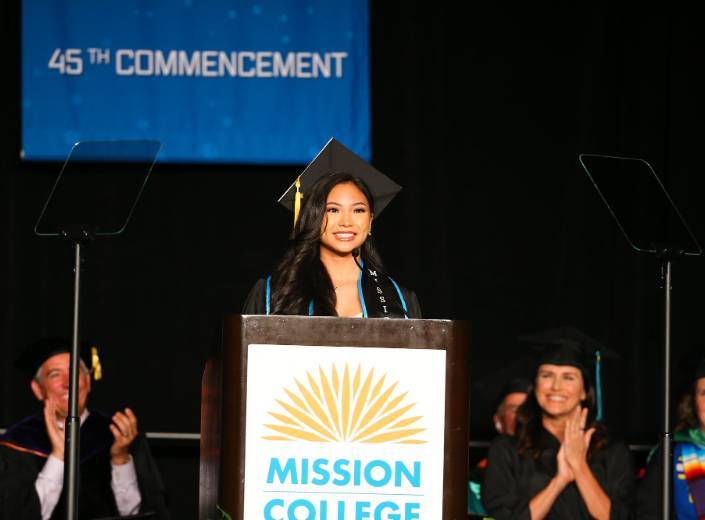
x,y
35,354
494,386
570,346
335,158
516,385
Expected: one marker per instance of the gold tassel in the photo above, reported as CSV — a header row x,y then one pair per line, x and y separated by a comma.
x,y
297,200
95,365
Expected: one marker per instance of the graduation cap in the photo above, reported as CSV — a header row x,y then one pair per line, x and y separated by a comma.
x,y
572,347
516,376
35,354
491,384
515,385
336,158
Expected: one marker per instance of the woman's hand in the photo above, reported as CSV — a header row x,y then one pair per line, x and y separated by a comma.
x,y
576,440
540,505
564,475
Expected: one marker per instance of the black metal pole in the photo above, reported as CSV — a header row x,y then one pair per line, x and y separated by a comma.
x,y
666,455
73,425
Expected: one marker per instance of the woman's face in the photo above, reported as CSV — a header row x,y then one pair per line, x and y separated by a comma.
x,y
347,219
700,401
559,389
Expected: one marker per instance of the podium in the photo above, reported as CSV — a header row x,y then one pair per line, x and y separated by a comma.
x,y
335,419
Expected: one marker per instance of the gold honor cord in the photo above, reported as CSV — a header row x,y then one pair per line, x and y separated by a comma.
x,y
297,200
95,365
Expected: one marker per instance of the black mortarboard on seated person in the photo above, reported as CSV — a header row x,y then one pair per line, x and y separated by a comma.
x,y
515,385
35,354
571,347
336,158
492,387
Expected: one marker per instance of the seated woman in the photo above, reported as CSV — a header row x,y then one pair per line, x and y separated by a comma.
x,y
331,266
562,465
688,460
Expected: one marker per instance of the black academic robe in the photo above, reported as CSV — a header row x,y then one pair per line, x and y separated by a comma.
x,y
24,449
512,481
256,302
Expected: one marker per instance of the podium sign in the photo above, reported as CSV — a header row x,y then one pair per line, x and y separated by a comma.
x,y
344,432
324,418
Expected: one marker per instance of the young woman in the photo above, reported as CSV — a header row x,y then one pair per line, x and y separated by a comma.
x,y
562,465
331,266
688,460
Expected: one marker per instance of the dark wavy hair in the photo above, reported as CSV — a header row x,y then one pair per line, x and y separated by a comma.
x,y
300,277
532,440
686,416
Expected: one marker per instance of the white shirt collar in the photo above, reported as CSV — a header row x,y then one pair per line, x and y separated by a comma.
x,y
62,424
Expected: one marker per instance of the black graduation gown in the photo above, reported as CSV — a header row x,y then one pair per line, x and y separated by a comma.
x,y
512,481
23,452
256,302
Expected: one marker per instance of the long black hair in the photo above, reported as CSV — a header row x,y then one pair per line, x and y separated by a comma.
x,y
300,277
532,438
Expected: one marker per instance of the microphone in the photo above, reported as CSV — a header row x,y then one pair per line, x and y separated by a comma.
x,y
355,254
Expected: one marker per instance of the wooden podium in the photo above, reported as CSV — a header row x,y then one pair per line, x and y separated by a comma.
x,y
224,410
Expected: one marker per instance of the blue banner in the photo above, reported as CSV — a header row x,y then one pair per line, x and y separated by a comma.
x,y
215,81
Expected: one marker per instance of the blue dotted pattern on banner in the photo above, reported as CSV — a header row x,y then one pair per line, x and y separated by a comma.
x,y
218,119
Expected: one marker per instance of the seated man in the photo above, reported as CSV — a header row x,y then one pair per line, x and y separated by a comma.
x,y
117,474
512,395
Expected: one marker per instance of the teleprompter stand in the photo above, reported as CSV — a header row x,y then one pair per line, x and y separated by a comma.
x,y
657,228
93,196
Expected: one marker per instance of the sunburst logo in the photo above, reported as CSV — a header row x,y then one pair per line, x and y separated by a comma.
x,y
335,407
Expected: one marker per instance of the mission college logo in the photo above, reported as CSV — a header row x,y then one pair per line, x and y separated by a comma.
x,y
342,407
344,433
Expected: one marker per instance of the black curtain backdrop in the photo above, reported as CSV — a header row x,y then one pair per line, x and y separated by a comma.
x,y
480,115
